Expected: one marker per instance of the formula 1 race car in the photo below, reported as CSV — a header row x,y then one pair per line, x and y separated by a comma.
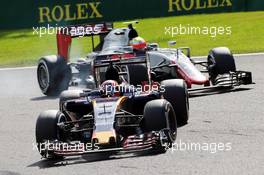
x,y
220,66
55,72
120,115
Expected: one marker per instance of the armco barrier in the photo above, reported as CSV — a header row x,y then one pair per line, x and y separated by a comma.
x,y
24,14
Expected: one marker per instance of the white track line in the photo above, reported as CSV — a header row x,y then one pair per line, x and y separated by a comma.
x,y
250,54
237,55
34,67
18,68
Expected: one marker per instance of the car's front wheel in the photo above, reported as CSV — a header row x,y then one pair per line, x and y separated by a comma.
x,y
220,61
175,91
47,131
159,115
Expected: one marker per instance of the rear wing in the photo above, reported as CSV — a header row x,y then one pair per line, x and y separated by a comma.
x,y
65,35
127,60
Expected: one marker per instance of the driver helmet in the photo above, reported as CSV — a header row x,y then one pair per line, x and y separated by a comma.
x,y
110,88
138,43
112,74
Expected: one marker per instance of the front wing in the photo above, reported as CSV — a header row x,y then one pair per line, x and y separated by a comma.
x,y
229,80
133,143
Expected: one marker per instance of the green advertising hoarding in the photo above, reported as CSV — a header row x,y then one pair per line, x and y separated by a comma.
x,y
30,13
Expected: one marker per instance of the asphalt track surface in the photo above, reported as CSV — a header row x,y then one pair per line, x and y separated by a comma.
x,y
235,119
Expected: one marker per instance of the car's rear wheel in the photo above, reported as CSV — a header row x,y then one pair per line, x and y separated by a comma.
x,y
175,91
47,131
220,61
53,75
159,115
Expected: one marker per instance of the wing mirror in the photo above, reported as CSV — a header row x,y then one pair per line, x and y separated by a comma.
x,y
171,43
128,48
173,65
153,75
186,50
153,46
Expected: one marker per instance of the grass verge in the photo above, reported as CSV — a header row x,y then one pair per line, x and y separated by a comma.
x,y
22,48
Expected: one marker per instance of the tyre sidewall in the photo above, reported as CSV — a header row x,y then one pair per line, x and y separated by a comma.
x,y
220,61
176,93
158,115
47,129
59,74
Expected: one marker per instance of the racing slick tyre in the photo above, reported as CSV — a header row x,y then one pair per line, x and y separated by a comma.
x,y
53,74
175,91
137,74
48,131
159,115
220,61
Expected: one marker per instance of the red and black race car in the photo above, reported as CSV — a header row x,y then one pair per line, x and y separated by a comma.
x,y
56,73
120,115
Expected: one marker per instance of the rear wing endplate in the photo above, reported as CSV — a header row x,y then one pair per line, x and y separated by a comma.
x,y
65,35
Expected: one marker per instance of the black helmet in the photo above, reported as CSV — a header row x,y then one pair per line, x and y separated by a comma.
x,y
112,74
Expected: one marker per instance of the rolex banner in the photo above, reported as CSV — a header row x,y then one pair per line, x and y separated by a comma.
x,y
31,13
